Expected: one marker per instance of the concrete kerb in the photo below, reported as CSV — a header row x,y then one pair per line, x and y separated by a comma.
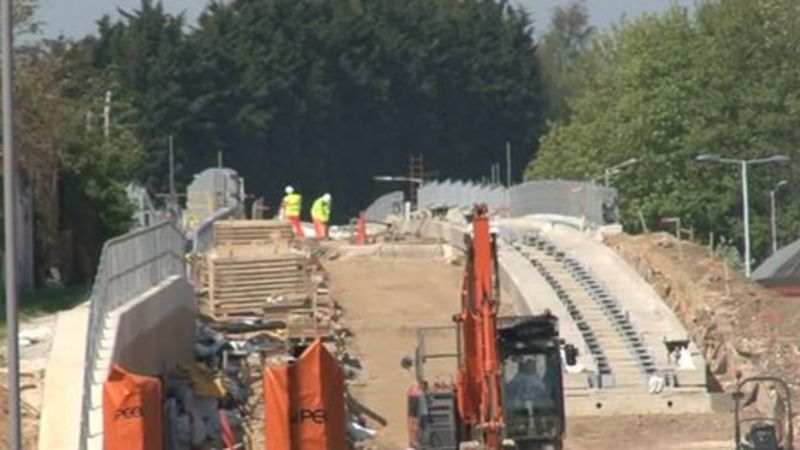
x,y
63,381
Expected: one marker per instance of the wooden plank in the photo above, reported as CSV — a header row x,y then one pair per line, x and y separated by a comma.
x,y
242,266
268,271
244,295
264,283
262,287
256,278
249,260
234,282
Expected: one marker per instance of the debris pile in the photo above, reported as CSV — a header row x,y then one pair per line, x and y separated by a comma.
x,y
264,299
210,401
739,325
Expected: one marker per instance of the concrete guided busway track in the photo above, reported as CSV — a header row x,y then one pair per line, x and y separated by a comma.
x,y
615,318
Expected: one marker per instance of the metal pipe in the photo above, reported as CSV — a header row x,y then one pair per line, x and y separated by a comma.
x,y
10,220
173,200
773,214
508,178
107,116
746,201
772,221
508,164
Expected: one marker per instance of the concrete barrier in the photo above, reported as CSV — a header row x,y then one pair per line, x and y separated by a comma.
x,y
149,335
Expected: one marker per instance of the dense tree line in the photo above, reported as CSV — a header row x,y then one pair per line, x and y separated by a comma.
x,y
326,94
319,94
664,88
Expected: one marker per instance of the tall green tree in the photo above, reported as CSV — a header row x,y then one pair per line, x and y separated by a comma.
x,y
145,58
325,95
666,87
568,38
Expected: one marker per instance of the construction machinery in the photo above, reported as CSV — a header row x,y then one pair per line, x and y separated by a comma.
x,y
507,392
756,429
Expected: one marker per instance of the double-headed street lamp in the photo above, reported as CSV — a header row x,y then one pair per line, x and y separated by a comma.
x,y
613,170
743,165
772,213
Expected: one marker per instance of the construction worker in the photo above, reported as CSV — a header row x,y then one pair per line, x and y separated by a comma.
x,y
320,214
292,205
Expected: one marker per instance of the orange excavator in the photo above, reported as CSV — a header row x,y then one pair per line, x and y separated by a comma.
x,y
507,392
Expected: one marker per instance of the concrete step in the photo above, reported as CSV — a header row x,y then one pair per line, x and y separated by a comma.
x,y
633,400
625,374
627,366
618,352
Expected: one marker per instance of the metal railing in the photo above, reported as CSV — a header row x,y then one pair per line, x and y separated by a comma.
x,y
129,265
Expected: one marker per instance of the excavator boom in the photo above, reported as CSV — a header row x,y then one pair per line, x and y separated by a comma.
x,y
478,384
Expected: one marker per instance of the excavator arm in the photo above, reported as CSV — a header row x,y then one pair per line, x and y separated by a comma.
x,y
478,380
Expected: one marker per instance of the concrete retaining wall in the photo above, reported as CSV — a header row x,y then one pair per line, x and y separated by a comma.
x,y
150,335
156,333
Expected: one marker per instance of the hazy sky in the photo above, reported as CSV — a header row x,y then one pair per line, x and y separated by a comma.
x,y
66,17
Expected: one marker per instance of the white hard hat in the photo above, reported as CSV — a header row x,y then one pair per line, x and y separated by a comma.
x,y
326,197
289,189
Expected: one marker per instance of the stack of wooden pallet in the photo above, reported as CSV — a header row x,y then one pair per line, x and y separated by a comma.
x,y
239,233
251,269
246,283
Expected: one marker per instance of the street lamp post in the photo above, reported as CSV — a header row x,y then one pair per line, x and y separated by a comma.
x,y
10,221
609,171
743,167
772,214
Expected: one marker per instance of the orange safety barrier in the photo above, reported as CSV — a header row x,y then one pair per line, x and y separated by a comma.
x,y
304,403
132,411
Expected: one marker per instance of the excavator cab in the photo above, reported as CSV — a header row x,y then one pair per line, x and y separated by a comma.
x,y
533,398
762,425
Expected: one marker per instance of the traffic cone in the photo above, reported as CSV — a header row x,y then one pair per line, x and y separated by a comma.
x,y
361,229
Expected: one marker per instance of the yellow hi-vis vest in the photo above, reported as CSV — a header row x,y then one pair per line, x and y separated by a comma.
x,y
321,210
292,204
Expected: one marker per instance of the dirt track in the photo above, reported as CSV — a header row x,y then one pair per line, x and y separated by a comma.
x,y
386,300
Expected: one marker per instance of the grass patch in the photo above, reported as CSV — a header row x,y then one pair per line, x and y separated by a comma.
x,y
45,300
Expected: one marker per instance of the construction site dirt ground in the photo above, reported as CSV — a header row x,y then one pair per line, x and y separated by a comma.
x,y
386,300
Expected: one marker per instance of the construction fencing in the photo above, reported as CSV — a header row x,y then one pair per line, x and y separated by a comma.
x,y
460,194
129,266
567,198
